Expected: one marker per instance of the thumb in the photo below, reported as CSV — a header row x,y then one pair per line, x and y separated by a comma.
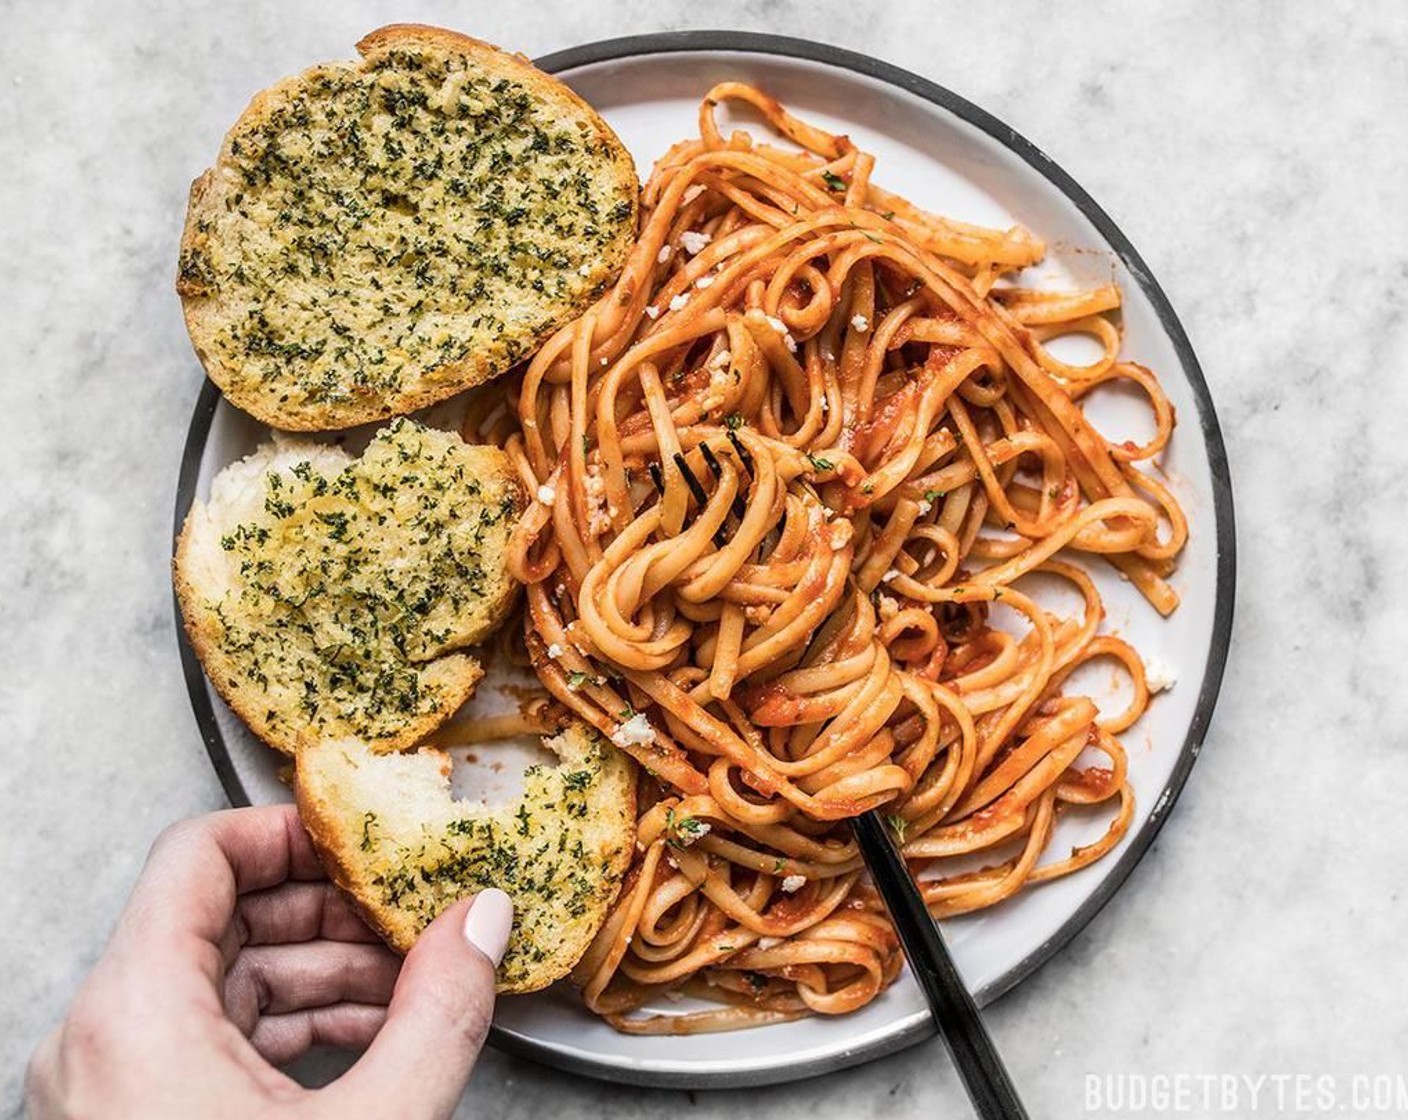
x,y
420,1060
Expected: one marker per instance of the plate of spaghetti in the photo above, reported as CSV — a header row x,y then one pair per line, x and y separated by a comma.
x,y
884,477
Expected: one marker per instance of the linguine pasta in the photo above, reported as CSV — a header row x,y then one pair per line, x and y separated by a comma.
x,y
792,472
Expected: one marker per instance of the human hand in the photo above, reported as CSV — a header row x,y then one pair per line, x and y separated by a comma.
x,y
234,956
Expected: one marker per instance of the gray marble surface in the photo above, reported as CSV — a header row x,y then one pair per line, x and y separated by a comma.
x,y
1256,154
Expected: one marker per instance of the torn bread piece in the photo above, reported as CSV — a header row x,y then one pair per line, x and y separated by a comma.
x,y
330,596
392,836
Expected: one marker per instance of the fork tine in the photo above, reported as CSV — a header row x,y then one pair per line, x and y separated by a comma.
x,y
739,507
700,495
742,452
709,457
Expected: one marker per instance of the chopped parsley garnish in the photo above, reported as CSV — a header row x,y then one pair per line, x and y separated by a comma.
x,y
359,257
327,610
682,831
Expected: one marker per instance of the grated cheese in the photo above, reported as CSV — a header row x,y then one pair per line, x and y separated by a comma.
x,y
635,732
1160,676
693,241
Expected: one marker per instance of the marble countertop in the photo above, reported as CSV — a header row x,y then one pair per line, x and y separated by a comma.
x,y
1257,157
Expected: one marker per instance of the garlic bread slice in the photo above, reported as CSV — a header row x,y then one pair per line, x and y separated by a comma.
x,y
330,596
376,236
392,836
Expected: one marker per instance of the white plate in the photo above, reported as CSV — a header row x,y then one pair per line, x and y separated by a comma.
x,y
950,156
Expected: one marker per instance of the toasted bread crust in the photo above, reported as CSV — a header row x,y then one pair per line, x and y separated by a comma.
x,y
549,936
338,395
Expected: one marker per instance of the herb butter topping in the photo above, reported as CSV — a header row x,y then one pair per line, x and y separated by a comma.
x,y
369,224
344,583
540,852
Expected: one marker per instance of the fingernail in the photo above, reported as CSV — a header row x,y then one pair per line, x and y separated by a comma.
x,y
489,922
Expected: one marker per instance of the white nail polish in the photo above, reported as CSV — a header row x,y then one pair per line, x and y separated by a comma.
x,y
489,922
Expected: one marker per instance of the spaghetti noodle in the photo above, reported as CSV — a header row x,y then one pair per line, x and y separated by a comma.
x,y
792,471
